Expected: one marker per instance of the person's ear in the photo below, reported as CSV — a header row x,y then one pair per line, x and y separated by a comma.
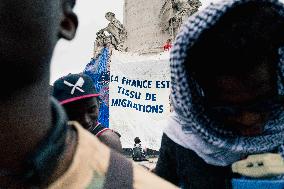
x,y
69,23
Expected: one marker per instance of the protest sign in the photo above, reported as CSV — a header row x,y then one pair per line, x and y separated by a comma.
x,y
139,97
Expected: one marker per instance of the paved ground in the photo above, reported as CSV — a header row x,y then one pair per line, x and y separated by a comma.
x,y
150,164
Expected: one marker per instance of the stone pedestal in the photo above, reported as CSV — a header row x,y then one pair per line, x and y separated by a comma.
x,y
143,25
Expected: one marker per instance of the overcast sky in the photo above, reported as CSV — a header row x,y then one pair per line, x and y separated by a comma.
x,y
72,57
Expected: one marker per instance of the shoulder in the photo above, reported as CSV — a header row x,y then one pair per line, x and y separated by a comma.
x,y
109,134
167,142
96,166
101,130
146,179
111,139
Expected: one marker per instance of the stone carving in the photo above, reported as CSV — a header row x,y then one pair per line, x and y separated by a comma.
x,y
116,35
175,12
116,30
102,40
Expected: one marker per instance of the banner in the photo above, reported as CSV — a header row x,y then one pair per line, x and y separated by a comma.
x,y
139,97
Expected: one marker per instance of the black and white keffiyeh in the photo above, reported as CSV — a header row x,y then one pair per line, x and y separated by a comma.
x,y
189,126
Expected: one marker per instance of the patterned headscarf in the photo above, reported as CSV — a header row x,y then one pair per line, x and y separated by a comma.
x,y
189,126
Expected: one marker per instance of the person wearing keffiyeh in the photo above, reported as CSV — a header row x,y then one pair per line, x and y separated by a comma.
x,y
227,75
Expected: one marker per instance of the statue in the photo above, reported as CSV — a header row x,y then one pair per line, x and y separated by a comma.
x,y
116,35
102,40
175,12
116,30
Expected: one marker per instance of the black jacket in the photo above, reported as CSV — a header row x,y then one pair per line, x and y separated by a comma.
x,y
184,168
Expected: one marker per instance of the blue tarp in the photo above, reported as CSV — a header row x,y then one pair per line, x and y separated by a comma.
x,y
98,70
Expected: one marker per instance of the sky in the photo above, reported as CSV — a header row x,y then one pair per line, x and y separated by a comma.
x,y
72,57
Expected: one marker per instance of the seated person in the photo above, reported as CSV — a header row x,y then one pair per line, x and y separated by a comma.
x,y
77,94
138,152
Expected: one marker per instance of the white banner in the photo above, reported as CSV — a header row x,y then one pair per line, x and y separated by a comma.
x,y
139,97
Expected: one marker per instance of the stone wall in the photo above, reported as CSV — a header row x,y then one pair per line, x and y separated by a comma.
x,y
143,25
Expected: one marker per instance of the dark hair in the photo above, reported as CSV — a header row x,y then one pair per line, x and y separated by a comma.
x,y
244,38
137,140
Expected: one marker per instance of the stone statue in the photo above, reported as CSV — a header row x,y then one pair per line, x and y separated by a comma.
x,y
116,35
175,12
102,40
116,30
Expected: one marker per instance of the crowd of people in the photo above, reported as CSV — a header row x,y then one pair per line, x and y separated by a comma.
x,y
226,129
